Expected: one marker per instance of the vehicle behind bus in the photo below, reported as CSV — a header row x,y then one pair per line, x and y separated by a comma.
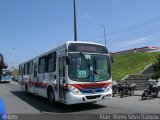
x,y
6,76
75,72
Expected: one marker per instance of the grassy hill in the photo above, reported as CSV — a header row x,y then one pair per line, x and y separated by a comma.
x,y
131,63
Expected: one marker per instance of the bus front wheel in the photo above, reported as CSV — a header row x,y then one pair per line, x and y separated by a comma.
x,y
51,96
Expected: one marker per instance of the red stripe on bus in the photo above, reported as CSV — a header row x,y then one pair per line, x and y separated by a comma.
x,y
92,85
38,84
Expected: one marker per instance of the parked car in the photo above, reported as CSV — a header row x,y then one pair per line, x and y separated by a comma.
x,y
15,78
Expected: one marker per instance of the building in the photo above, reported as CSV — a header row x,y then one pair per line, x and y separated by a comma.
x,y
142,49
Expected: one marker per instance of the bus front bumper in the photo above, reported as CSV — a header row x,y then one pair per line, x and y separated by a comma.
x,y
84,98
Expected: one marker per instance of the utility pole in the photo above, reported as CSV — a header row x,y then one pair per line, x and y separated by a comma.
x,y
75,26
104,29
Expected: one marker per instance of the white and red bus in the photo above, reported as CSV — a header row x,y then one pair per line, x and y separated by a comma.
x,y
75,72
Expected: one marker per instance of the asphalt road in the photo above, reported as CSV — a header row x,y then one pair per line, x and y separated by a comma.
x,y
19,103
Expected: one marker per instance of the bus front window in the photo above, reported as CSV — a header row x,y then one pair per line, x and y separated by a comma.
x,y
89,67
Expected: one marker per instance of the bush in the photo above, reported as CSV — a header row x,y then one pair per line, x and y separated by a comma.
x,y
157,68
156,75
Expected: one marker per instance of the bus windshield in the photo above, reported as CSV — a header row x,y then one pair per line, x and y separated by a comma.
x,y
86,67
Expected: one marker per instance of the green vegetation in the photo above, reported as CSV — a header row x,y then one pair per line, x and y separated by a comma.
x,y
157,68
14,72
131,63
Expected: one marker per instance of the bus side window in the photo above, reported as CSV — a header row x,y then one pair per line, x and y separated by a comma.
x,y
60,66
52,62
42,64
35,70
24,69
64,63
22,72
30,67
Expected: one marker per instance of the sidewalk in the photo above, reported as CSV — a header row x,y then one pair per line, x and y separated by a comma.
x,y
138,93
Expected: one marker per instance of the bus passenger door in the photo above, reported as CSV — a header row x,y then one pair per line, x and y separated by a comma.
x,y
35,78
61,65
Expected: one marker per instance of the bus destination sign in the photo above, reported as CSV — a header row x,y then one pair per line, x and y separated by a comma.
x,y
86,48
73,47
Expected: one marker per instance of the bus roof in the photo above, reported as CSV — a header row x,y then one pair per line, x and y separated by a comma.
x,y
66,43
6,70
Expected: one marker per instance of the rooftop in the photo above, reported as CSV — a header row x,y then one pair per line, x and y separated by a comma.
x,y
141,49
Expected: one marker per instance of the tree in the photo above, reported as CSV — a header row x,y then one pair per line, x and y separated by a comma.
x,y
14,72
157,68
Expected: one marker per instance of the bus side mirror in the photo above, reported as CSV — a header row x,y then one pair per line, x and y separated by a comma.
x,y
68,60
111,57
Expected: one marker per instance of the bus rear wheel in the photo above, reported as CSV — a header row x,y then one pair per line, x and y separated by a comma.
x,y
51,96
26,88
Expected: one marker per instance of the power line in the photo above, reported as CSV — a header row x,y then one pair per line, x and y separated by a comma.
x,y
137,32
151,21
133,37
114,7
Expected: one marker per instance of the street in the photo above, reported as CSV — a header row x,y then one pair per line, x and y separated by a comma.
x,y
18,102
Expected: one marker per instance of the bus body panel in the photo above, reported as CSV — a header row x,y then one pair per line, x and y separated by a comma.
x,y
6,76
38,82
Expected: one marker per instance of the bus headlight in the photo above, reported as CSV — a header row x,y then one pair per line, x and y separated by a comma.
x,y
74,90
108,88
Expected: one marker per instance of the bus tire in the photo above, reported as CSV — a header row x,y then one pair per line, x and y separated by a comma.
x,y
122,94
51,96
144,95
26,88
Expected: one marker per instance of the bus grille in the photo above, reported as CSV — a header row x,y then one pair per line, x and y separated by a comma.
x,y
91,90
93,97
